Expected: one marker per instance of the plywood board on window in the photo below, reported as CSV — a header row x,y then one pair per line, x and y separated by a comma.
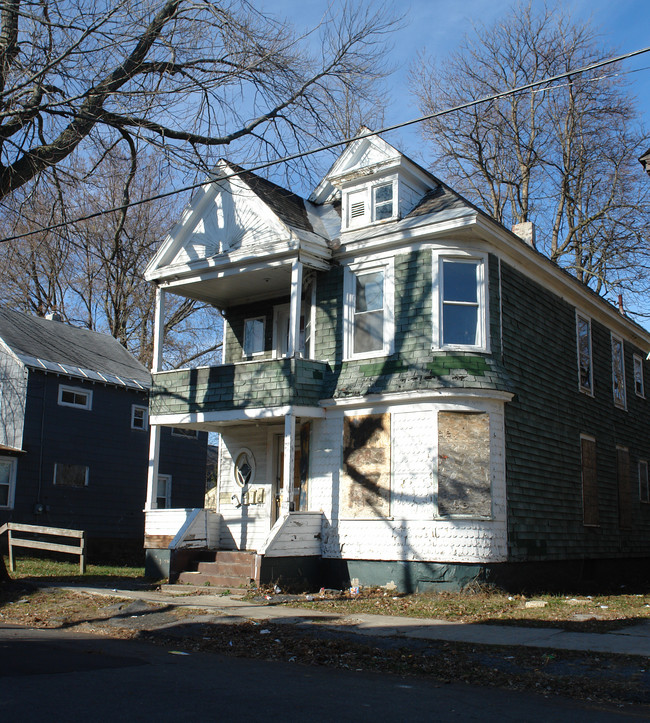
x,y
589,482
365,483
464,464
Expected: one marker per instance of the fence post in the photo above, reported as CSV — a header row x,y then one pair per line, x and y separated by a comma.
x,y
82,557
12,561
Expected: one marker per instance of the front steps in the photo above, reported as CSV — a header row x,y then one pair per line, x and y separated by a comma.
x,y
230,569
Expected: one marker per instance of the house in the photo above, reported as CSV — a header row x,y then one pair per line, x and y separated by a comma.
x,y
644,160
74,434
411,394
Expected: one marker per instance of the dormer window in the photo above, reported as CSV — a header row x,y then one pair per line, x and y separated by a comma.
x,y
370,203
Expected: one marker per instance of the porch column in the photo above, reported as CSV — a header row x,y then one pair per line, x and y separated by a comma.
x,y
289,461
294,309
154,431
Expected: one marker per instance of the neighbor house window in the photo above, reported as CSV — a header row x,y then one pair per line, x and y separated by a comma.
x,y
618,372
589,481
254,336
164,492
638,376
75,397
70,475
585,368
644,492
7,482
623,480
459,289
369,310
139,417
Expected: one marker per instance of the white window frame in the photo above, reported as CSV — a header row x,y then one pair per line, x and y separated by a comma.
x,y
72,487
387,266
76,390
366,194
590,389
638,364
481,296
620,403
644,481
168,491
13,465
245,352
145,417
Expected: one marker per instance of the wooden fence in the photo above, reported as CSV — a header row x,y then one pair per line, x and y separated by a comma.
x,y
79,549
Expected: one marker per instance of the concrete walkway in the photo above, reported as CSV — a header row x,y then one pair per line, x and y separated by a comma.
x,y
633,640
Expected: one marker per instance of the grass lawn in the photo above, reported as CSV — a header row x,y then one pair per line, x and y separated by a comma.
x,y
28,567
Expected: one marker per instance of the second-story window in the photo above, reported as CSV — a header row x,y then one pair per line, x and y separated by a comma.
x,y
369,310
253,336
370,203
618,372
139,417
638,376
75,397
585,373
459,286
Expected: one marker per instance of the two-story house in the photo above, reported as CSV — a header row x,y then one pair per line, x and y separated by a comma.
x,y
410,394
74,435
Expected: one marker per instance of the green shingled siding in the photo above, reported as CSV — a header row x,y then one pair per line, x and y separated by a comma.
x,y
272,383
543,426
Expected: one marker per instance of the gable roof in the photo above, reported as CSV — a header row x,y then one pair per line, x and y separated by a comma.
x,y
54,346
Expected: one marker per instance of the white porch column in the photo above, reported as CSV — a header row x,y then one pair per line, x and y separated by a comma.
x,y
294,309
289,462
154,431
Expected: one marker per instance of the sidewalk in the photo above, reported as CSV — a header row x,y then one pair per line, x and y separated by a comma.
x,y
230,608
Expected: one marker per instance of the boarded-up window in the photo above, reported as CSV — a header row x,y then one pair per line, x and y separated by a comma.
x,y
70,475
624,496
464,464
589,482
365,484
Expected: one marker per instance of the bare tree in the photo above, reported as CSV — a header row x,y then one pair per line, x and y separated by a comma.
x,y
187,77
562,156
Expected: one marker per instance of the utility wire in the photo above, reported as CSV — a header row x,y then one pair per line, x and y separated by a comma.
x,y
337,144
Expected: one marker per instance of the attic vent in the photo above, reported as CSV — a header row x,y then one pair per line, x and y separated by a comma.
x,y
357,209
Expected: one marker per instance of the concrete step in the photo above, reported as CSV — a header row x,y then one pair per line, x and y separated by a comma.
x,y
234,556
204,580
232,569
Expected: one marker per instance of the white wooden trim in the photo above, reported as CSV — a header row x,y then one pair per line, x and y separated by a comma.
x,y
158,330
152,469
293,343
289,462
235,415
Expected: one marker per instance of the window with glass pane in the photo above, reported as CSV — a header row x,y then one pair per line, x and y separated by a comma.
x,y
643,481
618,372
253,336
369,312
460,303
6,474
638,376
163,493
584,353
383,201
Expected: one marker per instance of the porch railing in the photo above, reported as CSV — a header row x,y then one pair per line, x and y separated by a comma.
x,y
38,544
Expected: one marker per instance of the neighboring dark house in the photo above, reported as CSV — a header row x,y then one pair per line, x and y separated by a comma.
x,y
74,434
411,394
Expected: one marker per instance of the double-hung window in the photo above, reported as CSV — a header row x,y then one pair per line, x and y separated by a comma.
x,y
585,366
618,372
459,290
139,417
164,492
639,386
369,310
254,336
7,482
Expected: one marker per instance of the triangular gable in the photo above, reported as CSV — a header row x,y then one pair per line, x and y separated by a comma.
x,y
226,217
360,154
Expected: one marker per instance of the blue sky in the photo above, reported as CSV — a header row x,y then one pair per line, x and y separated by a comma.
x,y
438,26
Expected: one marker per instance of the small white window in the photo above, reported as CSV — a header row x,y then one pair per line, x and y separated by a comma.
x,y
164,492
185,432
70,475
382,197
369,310
618,372
639,387
75,397
7,482
460,294
139,417
585,367
254,336
370,203
644,492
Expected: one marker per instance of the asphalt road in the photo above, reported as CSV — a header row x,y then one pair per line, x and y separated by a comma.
x,y
54,675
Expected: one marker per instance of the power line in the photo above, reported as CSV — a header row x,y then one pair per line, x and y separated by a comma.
x,y
337,144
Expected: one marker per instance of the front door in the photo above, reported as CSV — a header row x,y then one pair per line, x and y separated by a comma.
x,y
299,484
